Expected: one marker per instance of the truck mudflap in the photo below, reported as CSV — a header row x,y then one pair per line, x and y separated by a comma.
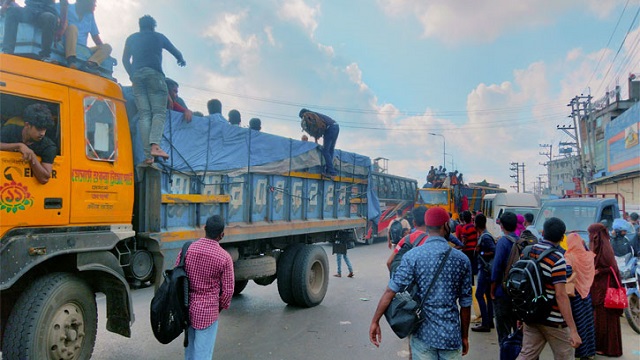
x,y
112,283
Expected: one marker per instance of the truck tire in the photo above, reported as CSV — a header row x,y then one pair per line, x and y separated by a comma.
x,y
239,286
284,272
55,318
246,269
264,281
310,276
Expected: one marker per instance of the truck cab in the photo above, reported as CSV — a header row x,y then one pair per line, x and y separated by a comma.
x,y
580,212
58,239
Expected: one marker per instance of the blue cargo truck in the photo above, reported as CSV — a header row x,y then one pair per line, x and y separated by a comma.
x,y
103,225
270,191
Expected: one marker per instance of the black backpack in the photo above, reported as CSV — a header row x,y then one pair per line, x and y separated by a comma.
x,y
526,238
408,245
396,231
170,304
525,286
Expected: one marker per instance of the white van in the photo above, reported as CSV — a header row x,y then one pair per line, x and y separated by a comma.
x,y
494,205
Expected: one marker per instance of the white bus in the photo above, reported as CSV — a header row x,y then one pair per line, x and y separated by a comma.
x,y
494,205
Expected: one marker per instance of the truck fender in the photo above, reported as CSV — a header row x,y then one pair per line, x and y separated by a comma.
x,y
105,275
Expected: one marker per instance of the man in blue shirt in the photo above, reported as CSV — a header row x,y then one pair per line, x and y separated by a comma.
x,y
142,58
41,13
445,333
81,24
502,309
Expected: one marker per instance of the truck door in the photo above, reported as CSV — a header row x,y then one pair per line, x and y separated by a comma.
x,y
102,166
24,201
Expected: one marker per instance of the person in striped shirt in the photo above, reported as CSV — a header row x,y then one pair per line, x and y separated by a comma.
x,y
558,329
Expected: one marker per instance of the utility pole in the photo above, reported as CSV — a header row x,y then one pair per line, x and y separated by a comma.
x,y
580,106
547,164
515,167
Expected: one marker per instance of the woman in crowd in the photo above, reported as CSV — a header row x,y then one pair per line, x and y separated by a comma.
x,y
583,267
607,321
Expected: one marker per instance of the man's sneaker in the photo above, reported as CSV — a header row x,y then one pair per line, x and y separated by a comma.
x,y
480,328
91,68
48,60
73,62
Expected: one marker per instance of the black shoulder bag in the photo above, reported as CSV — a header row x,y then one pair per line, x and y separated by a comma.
x,y
404,313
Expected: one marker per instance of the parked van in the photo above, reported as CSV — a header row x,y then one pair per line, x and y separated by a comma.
x,y
494,205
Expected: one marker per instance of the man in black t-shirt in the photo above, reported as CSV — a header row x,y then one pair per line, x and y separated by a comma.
x,y
30,140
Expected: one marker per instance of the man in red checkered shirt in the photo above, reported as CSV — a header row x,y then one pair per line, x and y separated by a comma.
x,y
210,271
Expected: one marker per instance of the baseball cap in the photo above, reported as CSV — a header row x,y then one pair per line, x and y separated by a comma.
x,y
436,216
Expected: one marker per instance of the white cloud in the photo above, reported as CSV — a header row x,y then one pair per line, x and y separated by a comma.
x,y
299,12
235,46
456,21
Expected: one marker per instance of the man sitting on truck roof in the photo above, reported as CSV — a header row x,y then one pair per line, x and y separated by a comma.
x,y
81,24
30,140
41,13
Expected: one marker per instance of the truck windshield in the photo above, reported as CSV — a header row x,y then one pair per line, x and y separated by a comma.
x,y
433,197
575,217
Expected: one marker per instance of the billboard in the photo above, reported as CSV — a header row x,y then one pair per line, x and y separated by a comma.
x,y
621,136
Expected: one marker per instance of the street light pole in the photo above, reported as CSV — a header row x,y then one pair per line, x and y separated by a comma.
x,y
444,148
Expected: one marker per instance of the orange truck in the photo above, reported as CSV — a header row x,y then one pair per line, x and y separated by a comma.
x,y
101,226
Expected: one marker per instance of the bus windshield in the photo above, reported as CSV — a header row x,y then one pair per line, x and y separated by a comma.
x,y
433,197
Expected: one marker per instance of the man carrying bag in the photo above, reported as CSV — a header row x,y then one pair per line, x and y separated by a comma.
x,y
445,332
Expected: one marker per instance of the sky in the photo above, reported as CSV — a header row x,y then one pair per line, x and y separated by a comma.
x,y
491,78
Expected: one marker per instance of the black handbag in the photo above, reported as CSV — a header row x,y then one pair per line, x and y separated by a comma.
x,y
404,313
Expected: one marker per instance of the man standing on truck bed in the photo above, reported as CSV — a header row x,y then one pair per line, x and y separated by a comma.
x,y
41,13
321,126
211,281
142,58
30,140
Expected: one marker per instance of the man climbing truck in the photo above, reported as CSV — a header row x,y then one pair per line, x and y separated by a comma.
x,y
102,225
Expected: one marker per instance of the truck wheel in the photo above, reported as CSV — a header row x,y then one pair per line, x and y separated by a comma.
x,y
632,312
239,286
284,272
264,281
55,318
245,269
310,276
141,265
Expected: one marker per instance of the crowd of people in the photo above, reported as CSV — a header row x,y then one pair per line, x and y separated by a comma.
x,y
440,178
576,276
154,94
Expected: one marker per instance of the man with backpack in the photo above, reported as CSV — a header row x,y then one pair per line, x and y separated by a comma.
x,y
211,281
505,318
398,228
321,126
558,327
416,238
467,233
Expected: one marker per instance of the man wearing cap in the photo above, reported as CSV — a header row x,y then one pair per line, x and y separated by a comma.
x,y
445,333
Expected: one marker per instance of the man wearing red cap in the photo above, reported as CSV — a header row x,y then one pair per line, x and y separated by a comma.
x,y
445,333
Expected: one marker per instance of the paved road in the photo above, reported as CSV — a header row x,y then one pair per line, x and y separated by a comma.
x,y
260,326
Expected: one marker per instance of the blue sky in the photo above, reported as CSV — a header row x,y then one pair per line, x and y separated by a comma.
x,y
492,76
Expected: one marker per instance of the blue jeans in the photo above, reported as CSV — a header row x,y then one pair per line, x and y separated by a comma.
x,y
328,146
483,295
421,351
505,318
201,342
346,260
151,94
46,21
